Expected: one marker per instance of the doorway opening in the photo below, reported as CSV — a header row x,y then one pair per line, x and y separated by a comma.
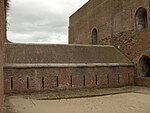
x,y
145,66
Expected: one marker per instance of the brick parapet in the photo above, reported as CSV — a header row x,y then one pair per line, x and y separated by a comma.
x,y
19,80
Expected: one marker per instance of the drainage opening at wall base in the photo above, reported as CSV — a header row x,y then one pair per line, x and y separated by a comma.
x,y
144,64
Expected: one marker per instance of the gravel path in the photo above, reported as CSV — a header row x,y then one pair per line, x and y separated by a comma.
x,y
119,103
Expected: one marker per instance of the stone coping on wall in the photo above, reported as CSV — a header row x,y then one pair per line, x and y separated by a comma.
x,y
66,65
45,44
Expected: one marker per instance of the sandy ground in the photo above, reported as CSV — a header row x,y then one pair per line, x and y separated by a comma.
x,y
119,103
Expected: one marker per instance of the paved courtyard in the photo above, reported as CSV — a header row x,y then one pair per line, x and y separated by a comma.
x,y
131,102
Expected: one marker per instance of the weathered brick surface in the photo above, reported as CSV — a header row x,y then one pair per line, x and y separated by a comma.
x,y
2,37
115,23
142,81
65,81
51,78
1,89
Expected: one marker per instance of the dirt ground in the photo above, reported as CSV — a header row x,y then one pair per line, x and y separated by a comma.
x,y
135,100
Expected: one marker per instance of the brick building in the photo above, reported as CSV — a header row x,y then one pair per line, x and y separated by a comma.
x,y
121,23
109,47
3,6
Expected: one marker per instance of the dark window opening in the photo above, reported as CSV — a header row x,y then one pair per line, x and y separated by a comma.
x,y
118,79
43,84
96,79
57,81
11,83
145,66
71,80
83,80
94,36
128,78
141,19
107,78
27,82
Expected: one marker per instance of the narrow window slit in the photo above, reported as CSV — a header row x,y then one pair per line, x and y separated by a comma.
x,y
118,79
83,80
71,80
128,78
94,36
11,83
27,82
43,84
108,79
57,81
96,79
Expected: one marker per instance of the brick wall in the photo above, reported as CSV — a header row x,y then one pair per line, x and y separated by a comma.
x,y
115,23
41,67
142,81
1,81
2,37
19,80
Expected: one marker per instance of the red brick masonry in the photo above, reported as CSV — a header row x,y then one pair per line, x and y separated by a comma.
x,y
39,77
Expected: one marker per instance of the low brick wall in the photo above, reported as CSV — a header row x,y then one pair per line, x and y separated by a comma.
x,y
30,78
2,39
142,81
39,67
1,89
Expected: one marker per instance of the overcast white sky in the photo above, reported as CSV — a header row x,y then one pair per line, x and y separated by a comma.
x,y
42,21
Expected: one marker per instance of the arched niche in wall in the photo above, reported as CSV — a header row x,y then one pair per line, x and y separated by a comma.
x,y
94,36
144,64
141,19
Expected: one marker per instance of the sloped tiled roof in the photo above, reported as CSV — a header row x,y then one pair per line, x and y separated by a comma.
x,y
39,53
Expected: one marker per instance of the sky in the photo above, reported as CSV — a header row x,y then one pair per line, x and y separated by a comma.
x,y
40,21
